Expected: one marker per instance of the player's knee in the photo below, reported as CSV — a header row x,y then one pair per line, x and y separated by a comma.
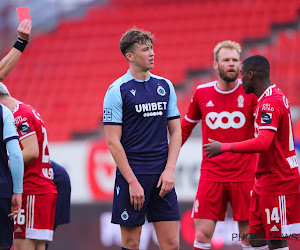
x,y
202,236
170,244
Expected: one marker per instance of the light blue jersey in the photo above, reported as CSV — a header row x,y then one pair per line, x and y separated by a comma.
x,y
9,139
142,108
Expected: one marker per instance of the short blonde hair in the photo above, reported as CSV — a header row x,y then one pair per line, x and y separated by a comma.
x,y
226,44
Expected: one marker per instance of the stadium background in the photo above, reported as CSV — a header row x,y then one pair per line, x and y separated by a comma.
x,y
73,56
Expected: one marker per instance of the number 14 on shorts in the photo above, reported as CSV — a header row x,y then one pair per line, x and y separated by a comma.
x,y
274,216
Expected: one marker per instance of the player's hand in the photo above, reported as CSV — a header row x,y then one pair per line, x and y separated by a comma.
x,y
166,181
213,148
24,29
16,204
137,196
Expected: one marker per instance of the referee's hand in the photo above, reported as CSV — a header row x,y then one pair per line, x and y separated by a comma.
x,y
24,29
137,196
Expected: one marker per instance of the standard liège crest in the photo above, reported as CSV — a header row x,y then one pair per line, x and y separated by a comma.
x,y
161,91
241,101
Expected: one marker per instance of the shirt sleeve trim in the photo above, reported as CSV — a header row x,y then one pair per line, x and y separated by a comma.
x,y
173,117
190,120
11,138
268,127
112,123
29,134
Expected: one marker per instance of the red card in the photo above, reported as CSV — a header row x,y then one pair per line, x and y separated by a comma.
x,y
23,13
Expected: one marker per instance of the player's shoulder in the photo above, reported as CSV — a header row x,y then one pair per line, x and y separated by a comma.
x,y
116,85
161,78
272,93
205,88
274,96
5,111
22,108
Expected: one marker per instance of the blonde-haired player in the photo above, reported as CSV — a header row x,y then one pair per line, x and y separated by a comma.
x,y
224,109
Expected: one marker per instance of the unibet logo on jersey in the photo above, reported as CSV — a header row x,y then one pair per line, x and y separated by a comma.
x,y
225,120
148,108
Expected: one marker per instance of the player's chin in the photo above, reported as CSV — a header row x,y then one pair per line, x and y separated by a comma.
x,y
151,66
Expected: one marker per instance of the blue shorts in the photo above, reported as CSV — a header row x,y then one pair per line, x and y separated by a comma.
x,y
156,208
6,223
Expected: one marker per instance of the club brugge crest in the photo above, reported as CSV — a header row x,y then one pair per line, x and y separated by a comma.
x,y
124,215
160,90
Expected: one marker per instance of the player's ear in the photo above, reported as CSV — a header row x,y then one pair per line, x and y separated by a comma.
x,y
251,74
129,56
215,64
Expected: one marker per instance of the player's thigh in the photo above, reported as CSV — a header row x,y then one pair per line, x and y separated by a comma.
x,y
131,236
6,223
256,226
24,244
36,218
123,212
162,208
211,200
204,229
167,233
40,245
239,197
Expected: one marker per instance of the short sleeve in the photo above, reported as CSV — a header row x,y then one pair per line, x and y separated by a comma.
x,y
25,125
9,127
173,112
271,113
113,106
194,113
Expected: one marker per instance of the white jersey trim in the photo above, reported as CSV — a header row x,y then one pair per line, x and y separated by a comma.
x,y
39,234
268,127
268,90
206,85
190,120
29,134
282,210
228,91
30,211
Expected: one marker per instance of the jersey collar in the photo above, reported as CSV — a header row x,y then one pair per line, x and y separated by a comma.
x,y
268,90
129,77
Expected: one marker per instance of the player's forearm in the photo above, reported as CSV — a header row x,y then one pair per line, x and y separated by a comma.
x,y
117,151
16,165
8,62
256,145
174,148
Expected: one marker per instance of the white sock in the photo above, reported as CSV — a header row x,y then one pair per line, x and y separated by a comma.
x,y
244,246
201,245
283,248
261,248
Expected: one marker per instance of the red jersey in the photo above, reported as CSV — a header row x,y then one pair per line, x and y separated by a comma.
x,y
277,171
227,116
38,174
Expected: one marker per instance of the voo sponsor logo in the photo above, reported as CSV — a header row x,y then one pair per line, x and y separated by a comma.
x,y
225,120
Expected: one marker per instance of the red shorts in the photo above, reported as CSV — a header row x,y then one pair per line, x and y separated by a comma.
x,y
274,216
212,199
36,218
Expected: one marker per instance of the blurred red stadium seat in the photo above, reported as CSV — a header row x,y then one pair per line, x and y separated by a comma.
x,y
72,67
